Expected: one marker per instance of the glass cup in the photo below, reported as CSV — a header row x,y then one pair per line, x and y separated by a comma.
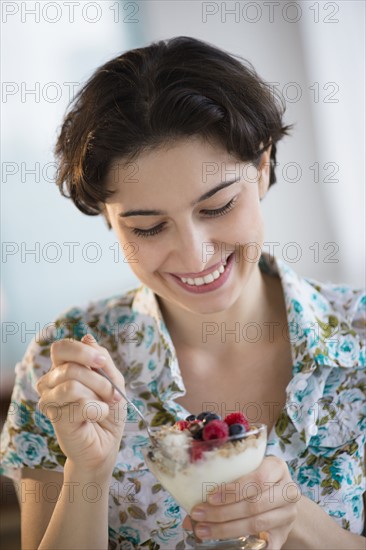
x,y
191,469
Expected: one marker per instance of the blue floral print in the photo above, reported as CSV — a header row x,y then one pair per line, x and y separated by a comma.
x,y
320,433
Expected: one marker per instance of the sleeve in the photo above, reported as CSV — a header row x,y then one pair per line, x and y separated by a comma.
x,y
28,438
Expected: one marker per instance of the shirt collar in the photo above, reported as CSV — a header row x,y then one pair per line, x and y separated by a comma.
x,y
153,362
151,351
321,340
310,317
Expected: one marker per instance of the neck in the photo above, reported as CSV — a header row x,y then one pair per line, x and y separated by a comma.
x,y
215,333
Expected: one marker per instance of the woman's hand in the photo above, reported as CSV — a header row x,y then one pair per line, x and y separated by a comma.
x,y
86,413
264,501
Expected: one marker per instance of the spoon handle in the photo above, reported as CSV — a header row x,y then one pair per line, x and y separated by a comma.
x,y
100,371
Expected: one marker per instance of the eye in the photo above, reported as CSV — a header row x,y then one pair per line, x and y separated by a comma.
x,y
159,228
148,232
221,211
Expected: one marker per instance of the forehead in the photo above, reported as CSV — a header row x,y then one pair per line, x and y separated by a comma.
x,y
191,163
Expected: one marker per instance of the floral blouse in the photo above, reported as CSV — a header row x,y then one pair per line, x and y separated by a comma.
x,y
320,433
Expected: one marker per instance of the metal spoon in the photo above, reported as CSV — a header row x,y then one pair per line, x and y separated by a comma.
x,y
149,432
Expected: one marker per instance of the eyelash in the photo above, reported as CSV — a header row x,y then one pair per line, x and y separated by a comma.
x,y
210,213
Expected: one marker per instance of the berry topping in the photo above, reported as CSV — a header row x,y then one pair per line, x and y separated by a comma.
x,y
237,429
237,418
211,416
182,425
202,415
191,417
216,429
198,435
195,426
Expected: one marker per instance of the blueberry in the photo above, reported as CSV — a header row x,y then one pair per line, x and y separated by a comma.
x,y
203,415
236,429
191,417
193,428
198,435
211,416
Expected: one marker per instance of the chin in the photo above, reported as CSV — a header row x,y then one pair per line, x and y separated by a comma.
x,y
207,304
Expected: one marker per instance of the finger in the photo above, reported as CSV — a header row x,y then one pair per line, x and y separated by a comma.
x,y
275,539
70,390
187,523
73,414
89,339
68,349
72,372
250,487
269,521
95,356
275,496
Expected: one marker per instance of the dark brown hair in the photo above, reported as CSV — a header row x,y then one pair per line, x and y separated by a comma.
x,y
150,96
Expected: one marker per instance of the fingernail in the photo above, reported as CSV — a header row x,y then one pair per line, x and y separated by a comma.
x,y
198,514
117,396
99,360
203,531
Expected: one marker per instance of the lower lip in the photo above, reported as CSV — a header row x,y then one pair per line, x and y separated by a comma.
x,y
217,283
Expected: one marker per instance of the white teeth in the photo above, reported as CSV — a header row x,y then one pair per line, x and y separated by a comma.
x,y
199,281
208,278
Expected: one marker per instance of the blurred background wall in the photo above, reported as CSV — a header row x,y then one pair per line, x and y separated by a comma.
x,y
312,52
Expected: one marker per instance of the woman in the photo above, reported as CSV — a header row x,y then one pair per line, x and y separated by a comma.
x,y
175,144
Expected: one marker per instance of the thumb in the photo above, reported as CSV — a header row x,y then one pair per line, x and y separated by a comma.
x,y
187,524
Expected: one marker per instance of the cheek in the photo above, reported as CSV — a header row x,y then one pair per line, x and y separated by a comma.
x,y
245,225
141,254
132,252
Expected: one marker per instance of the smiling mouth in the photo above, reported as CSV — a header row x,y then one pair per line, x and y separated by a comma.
x,y
206,279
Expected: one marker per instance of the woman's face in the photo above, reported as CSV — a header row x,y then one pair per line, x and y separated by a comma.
x,y
169,229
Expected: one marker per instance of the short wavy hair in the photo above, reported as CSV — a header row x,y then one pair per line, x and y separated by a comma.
x,y
150,96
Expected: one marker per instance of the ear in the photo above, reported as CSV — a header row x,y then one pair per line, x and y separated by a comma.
x,y
264,170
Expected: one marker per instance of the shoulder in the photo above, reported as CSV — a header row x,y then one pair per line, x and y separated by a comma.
x,y
331,306
326,321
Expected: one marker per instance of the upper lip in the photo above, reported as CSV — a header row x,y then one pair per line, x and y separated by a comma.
x,y
201,273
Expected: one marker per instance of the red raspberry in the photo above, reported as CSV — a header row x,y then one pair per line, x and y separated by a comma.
x,y
237,418
181,424
216,429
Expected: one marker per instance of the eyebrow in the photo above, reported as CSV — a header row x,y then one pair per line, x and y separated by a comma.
x,y
203,197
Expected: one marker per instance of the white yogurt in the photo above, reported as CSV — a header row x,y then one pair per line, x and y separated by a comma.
x,y
191,483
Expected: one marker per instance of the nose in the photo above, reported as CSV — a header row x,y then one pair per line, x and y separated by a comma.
x,y
190,249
